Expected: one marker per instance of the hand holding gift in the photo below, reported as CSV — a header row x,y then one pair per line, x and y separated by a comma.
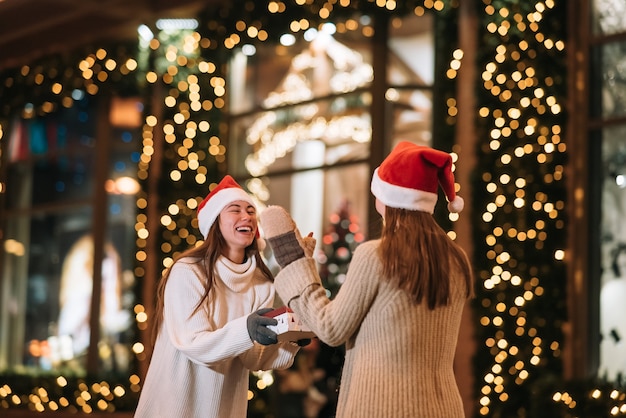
x,y
259,327
289,327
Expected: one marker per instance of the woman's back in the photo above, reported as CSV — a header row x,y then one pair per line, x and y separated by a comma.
x,y
399,363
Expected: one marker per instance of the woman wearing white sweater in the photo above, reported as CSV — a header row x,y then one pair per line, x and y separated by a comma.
x,y
210,329
399,309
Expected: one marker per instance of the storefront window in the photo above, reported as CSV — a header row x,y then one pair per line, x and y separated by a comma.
x,y
411,76
613,242
316,95
49,257
614,80
609,17
300,126
53,154
609,110
270,141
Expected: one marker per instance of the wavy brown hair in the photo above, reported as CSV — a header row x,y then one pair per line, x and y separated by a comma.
x,y
419,257
205,255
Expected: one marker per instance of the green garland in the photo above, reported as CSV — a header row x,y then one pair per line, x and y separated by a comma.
x,y
519,235
519,340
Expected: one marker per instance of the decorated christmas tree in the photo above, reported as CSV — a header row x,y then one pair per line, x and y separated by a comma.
x,y
340,240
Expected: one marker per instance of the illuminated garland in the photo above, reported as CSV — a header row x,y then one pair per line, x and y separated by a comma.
x,y
520,198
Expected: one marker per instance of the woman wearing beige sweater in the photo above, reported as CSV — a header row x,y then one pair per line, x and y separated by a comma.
x,y
399,309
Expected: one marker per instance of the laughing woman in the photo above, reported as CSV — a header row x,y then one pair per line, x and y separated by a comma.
x,y
210,331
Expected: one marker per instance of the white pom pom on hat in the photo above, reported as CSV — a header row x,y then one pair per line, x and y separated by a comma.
x,y
409,178
226,192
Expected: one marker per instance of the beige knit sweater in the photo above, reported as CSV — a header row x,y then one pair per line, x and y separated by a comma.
x,y
399,356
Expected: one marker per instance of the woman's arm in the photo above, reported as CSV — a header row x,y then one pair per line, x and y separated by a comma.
x,y
334,322
276,356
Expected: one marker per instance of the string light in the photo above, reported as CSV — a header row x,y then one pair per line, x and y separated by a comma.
x,y
523,211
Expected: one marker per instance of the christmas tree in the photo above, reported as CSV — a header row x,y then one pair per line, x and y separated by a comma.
x,y
338,244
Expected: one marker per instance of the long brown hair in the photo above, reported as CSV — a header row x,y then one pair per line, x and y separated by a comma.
x,y
419,257
206,255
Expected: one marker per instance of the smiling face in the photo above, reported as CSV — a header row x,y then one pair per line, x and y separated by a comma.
x,y
238,225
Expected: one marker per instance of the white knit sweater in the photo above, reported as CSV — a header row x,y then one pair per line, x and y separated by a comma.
x,y
201,361
399,356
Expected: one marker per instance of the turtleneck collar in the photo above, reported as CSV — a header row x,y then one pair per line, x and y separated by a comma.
x,y
235,276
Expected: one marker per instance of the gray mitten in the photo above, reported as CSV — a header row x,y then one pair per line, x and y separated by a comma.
x,y
257,327
283,236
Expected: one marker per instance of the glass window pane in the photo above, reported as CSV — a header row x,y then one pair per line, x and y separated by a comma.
x,y
411,64
55,154
614,79
310,135
49,289
412,116
312,91
411,51
608,17
49,262
65,178
613,251
33,267
318,64
118,279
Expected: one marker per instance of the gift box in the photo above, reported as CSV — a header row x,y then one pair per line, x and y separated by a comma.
x,y
289,327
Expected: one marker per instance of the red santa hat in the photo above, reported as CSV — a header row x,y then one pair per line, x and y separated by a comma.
x,y
408,179
226,192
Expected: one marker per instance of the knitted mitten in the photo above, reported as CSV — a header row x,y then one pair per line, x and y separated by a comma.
x,y
282,234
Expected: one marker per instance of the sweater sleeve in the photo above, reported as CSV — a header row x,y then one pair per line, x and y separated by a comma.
x,y
334,322
192,332
276,356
